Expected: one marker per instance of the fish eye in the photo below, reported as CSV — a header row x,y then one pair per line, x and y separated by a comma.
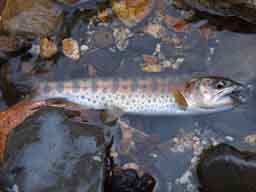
x,y
220,85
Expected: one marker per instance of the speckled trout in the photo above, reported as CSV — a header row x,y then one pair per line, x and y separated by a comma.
x,y
147,96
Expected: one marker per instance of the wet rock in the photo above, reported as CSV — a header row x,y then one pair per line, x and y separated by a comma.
x,y
132,12
244,9
127,180
11,44
103,38
69,2
48,48
2,102
57,154
224,168
176,24
41,17
71,48
139,149
7,183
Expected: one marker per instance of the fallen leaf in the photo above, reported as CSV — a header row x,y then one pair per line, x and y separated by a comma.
x,y
48,48
13,117
150,59
178,25
71,48
131,12
104,16
152,68
205,32
151,64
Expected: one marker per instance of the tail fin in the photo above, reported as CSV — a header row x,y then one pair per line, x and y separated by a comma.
x,y
13,92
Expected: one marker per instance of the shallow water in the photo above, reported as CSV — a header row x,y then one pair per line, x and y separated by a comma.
x,y
225,52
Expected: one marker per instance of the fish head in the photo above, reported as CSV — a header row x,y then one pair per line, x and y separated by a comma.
x,y
213,93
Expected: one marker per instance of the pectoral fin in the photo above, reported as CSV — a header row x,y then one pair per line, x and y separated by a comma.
x,y
111,115
180,99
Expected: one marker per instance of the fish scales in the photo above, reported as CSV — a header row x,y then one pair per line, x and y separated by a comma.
x,y
138,95
148,95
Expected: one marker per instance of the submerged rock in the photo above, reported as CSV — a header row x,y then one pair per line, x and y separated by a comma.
x,y
224,168
11,44
127,180
41,17
57,154
243,9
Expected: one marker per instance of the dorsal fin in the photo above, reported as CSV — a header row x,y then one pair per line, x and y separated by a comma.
x,y
180,99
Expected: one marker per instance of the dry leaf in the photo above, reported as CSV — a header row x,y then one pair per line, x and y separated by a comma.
x,y
205,32
47,48
71,48
178,25
150,59
13,117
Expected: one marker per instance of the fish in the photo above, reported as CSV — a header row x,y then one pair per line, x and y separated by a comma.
x,y
146,95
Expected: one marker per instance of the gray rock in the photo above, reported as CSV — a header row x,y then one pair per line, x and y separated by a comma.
x,y
57,154
41,17
244,9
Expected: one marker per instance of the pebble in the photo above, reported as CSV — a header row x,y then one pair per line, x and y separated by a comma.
x,y
97,158
158,48
84,49
250,139
229,138
34,50
212,50
153,155
71,48
185,178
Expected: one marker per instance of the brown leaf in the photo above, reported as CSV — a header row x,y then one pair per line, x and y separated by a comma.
x,y
131,12
13,117
48,48
104,16
205,32
150,59
71,48
178,25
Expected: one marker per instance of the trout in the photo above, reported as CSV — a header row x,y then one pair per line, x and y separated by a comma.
x,y
148,95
